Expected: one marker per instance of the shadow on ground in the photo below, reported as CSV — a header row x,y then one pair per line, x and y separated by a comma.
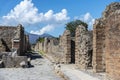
x,y
33,56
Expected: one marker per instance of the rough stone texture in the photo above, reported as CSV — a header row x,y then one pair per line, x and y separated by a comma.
x,y
60,49
66,39
13,38
10,62
6,36
2,47
113,41
13,44
46,45
106,42
83,46
99,46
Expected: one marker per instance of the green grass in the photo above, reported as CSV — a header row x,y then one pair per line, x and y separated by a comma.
x,y
41,53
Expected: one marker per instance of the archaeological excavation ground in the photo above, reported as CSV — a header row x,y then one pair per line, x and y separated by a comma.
x,y
84,55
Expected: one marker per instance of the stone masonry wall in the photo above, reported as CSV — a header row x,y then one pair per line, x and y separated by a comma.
x,y
60,49
66,44
6,35
106,42
99,46
112,50
83,47
13,38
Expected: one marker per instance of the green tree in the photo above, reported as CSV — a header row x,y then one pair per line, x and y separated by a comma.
x,y
71,26
40,39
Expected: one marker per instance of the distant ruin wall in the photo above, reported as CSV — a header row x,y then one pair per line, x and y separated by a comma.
x,y
60,49
83,47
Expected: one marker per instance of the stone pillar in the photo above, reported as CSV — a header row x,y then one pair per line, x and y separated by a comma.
x,y
99,46
67,46
82,47
20,36
45,45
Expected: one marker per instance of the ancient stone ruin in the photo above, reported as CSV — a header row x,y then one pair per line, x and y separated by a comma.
x,y
69,49
97,50
59,49
106,42
13,45
83,47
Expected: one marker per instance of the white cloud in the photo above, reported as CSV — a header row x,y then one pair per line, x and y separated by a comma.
x,y
43,30
27,13
87,18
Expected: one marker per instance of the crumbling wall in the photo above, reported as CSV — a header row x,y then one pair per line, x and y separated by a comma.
x,y
112,42
83,46
13,44
46,45
13,38
59,49
6,36
106,42
66,45
99,46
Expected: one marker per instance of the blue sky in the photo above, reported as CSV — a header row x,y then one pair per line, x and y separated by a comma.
x,y
50,16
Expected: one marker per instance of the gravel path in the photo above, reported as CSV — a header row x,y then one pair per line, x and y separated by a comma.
x,y
42,70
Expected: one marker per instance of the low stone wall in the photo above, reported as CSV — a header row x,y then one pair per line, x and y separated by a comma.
x,y
17,61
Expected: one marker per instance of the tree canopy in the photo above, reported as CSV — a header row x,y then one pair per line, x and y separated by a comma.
x,y
40,39
71,26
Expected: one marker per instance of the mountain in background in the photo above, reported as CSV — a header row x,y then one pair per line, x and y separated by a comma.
x,y
34,37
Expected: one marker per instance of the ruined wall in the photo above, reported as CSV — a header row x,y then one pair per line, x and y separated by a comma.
x,y
99,46
59,49
20,36
13,38
83,47
6,36
66,45
106,42
46,45
112,17
36,48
